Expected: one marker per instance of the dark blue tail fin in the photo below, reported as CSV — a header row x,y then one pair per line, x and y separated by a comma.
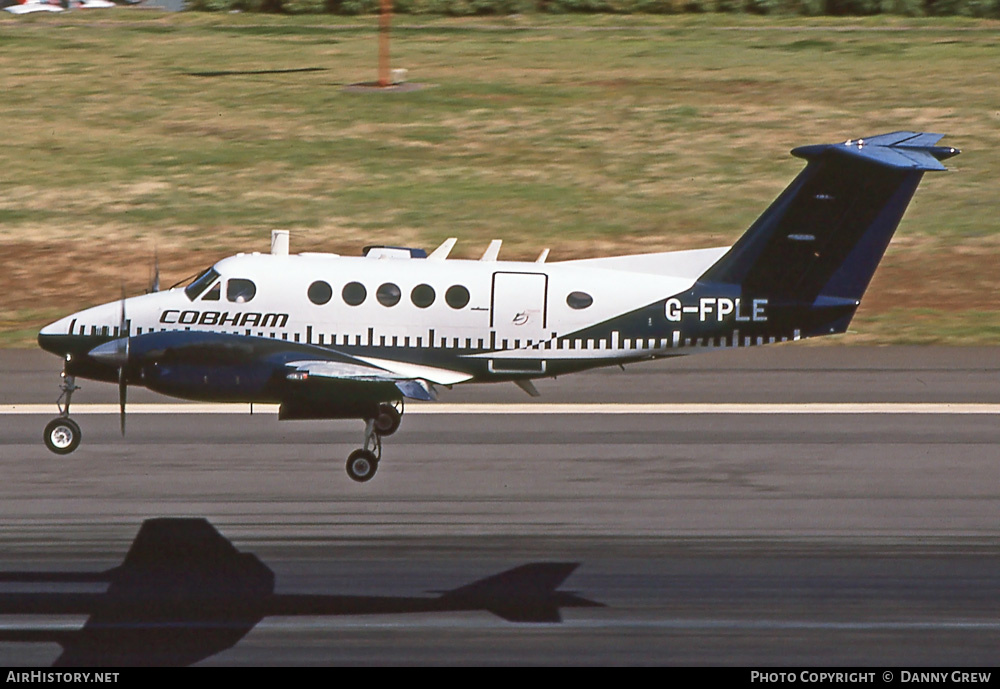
x,y
821,240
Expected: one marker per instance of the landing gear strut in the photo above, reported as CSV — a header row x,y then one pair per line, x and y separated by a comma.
x,y
363,462
62,434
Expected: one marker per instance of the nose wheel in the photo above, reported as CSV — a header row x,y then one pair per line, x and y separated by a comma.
x,y
62,434
363,462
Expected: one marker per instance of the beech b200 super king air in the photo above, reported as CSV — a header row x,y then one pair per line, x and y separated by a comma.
x,y
334,337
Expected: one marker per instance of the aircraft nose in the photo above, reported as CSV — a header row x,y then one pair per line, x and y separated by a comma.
x,y
55,337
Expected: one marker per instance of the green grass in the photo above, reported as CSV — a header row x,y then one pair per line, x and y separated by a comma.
x,y
198,134
928,327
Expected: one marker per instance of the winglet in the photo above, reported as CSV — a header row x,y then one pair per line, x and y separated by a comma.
x,y
899,150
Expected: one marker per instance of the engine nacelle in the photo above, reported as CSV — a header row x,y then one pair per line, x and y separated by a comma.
x,y
211,383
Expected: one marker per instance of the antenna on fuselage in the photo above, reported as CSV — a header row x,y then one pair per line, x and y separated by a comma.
x,y
492,251
441,253
279,242
542,256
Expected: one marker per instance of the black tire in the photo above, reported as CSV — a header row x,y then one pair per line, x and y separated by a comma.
x,y
388,419
62,435
362,465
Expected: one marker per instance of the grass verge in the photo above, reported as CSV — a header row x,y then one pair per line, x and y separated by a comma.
x,y
198,134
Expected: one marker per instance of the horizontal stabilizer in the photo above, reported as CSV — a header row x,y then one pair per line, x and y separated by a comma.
x,y
523,594
899,150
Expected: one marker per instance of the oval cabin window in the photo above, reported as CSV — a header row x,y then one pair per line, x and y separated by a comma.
x,y
422,296
457,297
320,292
579,300
354,293
388,294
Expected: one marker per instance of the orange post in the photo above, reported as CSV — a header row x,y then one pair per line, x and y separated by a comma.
x,y
385,14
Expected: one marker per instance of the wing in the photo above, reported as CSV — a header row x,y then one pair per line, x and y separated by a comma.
x,y
182,594
200,365
412,380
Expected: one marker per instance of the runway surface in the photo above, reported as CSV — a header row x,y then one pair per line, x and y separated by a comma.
x,y
726,534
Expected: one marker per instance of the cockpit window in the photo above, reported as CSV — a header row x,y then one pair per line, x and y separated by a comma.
x,y
200,283
213,294
240,290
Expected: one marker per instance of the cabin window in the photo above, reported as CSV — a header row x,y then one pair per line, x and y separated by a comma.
x,y
354,293
579,300
200,283
457,297
422,296
320,292
213,294
388,294
240,290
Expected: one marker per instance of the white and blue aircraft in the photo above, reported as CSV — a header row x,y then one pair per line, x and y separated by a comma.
x,y
334,337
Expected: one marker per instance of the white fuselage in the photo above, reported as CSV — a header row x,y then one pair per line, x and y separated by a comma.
x,y
415,309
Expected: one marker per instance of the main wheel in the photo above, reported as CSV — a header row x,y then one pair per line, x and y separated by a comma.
x,y
62,435
387,420
362,465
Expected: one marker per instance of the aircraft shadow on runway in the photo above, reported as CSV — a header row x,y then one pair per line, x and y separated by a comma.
x,y
184,593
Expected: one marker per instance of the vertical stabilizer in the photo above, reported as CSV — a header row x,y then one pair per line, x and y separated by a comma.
x,y
826,233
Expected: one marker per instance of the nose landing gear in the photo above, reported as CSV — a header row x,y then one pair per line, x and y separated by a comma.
x,y
62,434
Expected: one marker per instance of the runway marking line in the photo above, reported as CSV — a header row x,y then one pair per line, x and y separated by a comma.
x,y
542,408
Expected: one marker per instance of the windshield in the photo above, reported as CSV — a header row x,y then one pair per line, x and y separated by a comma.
x,y
201,283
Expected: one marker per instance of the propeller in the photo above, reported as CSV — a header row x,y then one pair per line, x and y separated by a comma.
x,y
117,353
124,340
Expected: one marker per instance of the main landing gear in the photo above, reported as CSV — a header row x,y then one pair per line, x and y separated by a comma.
x,y
62,434
363,462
